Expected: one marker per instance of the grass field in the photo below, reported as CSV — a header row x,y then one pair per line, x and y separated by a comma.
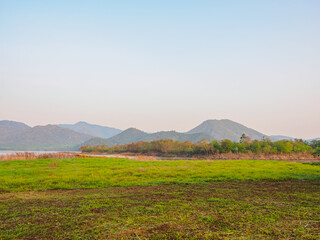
x,y
109,198
109,172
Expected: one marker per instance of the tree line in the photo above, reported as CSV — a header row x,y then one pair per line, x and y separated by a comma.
x,y
245,145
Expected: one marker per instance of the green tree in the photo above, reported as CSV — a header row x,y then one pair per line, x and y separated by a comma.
x,y
216,146
244,138
226,146
255,147
317,151
284,146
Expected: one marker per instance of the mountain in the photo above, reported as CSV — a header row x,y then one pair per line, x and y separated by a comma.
x,y
92,129
176,136
226,129
19,136
275,138
317,139
313,139
135,135
127,136
50,137
10,128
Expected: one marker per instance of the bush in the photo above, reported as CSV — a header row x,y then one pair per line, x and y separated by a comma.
x,y
169,146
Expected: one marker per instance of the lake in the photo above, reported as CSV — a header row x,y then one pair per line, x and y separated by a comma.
x,y
6,152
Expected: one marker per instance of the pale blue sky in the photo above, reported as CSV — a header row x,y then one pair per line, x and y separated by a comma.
x,y
162,65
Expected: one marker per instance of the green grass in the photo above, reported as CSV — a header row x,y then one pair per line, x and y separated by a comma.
x,y
111,198
218,210
46,174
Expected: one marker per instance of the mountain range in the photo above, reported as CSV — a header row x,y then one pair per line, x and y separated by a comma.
x,y
49,137
135,135
11,128
226,129
19,136
92,129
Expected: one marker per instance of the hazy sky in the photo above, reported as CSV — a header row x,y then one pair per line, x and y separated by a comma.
x,y
162,65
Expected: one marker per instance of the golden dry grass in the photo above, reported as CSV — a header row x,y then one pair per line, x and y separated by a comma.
x,y
33,155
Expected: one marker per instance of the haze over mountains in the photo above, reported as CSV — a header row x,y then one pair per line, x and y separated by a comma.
x,y
50,137
226,129
135,135
92,129
11,128
19,136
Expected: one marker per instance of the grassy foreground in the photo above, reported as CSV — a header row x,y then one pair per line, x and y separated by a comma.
x,y
109,198
218,210
46,174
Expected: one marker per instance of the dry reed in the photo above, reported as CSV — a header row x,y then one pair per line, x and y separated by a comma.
x,y
32,155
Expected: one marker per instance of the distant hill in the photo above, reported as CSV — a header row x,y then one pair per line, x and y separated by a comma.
x,y
226,129
10,128
50,137
275,138
19,136
127,136
182,137
135,135
313,139
92,129
280,137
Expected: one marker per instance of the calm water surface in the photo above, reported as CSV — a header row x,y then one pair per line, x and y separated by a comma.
x,y
36,152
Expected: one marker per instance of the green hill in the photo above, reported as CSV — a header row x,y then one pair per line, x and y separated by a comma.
x,y
226,129
11,128
135,135
92,129
50,137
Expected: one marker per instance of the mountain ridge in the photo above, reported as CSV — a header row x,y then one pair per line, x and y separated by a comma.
x,y
9,128
131,135
49,137
92,129
19,136
226,129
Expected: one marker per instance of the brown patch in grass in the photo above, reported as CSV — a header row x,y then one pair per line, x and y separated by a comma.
x,y
146,158
217,210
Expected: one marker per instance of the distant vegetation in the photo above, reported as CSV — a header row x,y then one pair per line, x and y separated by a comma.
x,y
315,144
215,147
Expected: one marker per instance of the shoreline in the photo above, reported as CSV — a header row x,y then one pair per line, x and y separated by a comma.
x,y
298,157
